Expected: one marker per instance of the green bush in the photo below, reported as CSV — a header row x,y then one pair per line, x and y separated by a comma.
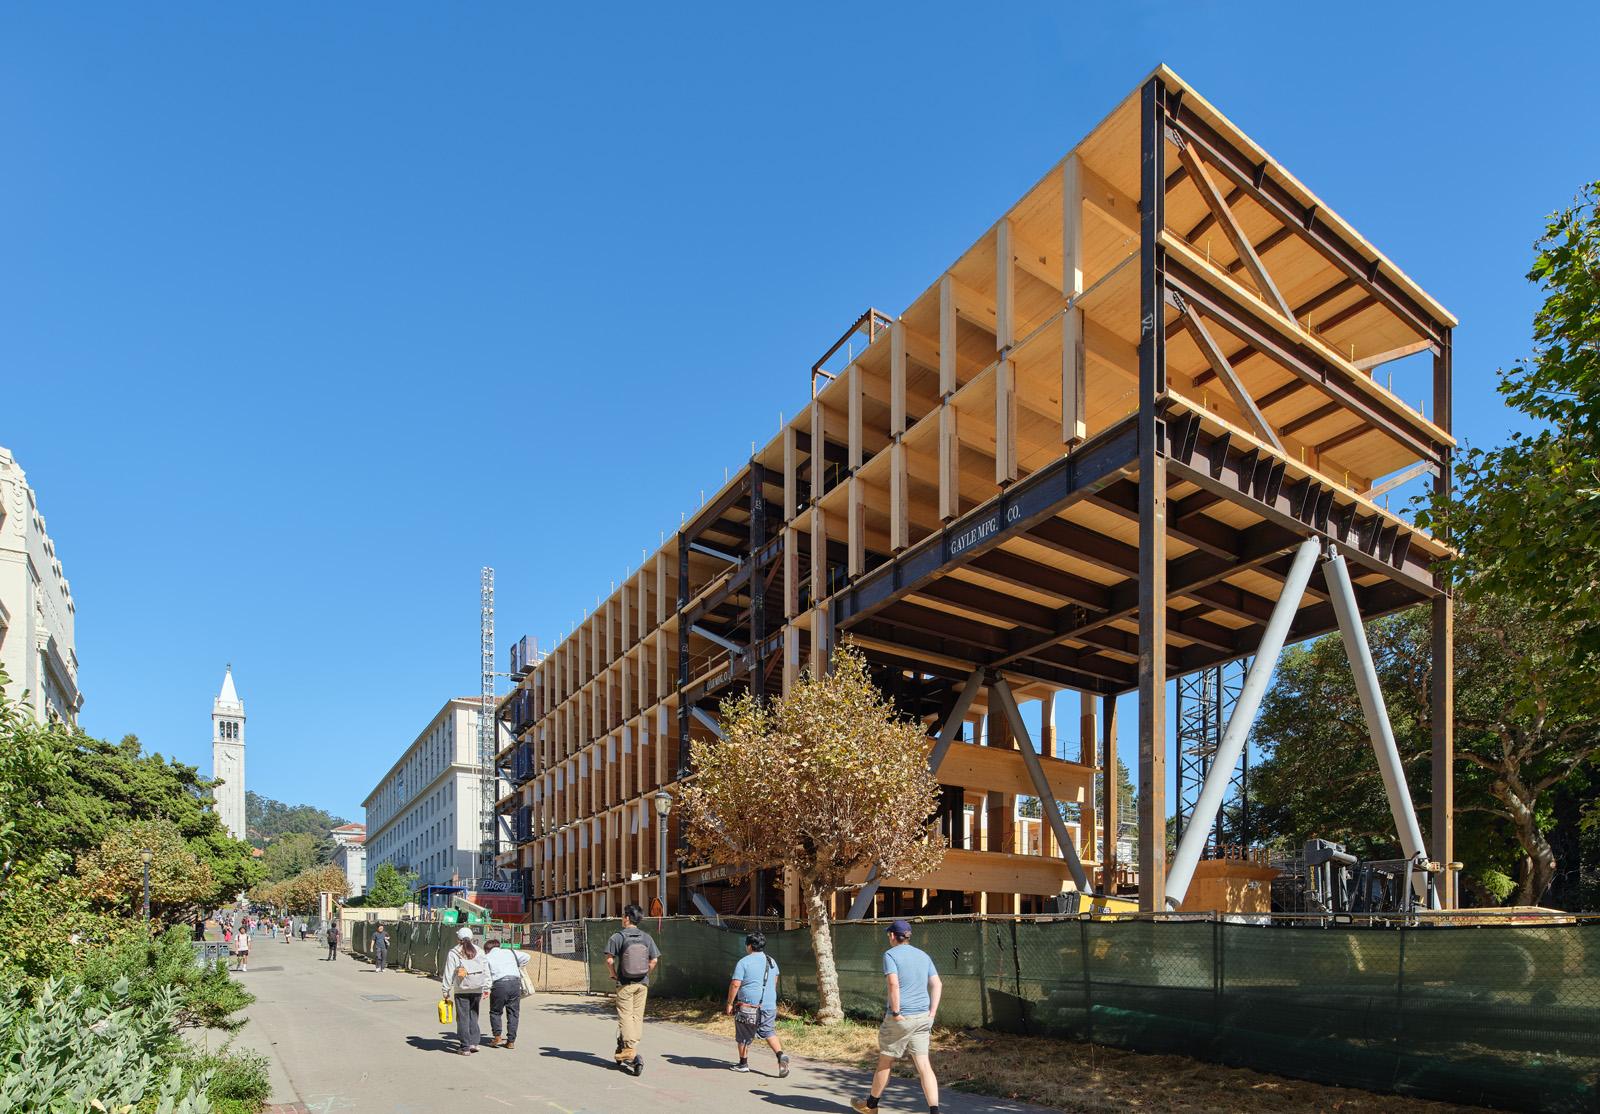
x,y
239,1081
205,995
73,1049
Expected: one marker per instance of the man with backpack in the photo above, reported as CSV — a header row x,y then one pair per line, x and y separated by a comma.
x,y
753,1002
333,939
630,957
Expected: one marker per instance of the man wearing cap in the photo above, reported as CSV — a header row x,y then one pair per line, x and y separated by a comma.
x,y
466,978
913,989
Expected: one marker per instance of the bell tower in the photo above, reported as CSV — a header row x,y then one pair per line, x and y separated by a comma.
x,y
227,757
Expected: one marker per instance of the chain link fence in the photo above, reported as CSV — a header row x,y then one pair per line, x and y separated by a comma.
x,y
1498,1015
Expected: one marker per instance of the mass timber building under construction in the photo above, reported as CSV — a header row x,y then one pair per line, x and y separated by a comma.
x,y
1134,431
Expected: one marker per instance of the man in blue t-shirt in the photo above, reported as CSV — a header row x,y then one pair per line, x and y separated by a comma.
x,y
753,1002
913,989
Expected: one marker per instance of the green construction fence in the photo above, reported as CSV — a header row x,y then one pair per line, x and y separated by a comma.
x,y
1497,1015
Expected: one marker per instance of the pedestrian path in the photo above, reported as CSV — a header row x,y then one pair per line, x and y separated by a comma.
x,y
343,1037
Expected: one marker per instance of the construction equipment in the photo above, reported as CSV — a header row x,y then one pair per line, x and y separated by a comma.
x,y
1336,881
488,781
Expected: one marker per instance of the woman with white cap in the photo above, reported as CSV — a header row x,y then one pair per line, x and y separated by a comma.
x,y
466,977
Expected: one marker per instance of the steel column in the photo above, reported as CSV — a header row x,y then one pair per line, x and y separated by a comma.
x,y
1376,714
1441,827
1152,669
1198,829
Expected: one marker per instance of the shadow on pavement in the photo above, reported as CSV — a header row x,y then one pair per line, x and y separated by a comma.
x,y
597,1007
800,1102
578,1056
432,1044
698,1061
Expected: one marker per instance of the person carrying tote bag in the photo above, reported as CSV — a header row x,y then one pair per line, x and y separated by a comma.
x,y
466,980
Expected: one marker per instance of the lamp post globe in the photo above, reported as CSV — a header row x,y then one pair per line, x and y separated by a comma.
x,y
663,806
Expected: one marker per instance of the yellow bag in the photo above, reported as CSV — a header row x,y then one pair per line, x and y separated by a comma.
x,y
447,1012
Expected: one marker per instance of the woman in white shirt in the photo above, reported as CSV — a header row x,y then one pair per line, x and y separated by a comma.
x,y
505,990
466,977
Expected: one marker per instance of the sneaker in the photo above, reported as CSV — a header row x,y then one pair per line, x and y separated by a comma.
x,y
783,1065
742,1065
638,1065
493,1042
860,1106
509,1045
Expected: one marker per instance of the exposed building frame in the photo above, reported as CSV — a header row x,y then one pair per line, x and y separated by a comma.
x,y
1083,460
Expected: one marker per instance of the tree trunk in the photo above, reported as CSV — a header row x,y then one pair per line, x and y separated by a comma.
x,y
830,1009
1538,858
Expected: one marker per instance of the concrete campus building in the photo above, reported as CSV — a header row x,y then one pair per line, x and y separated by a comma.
x,y
37,615
350,855
227,757
423,813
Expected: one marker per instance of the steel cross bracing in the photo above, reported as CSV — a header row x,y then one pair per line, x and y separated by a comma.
x,y
487,779
1205,699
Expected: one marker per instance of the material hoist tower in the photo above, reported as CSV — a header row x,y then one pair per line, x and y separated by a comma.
x,y
488,846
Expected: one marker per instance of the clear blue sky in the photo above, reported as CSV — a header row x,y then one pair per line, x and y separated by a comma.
x,y
306,313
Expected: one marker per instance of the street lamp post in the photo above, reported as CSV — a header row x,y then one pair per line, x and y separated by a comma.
x,y
663,806
145,857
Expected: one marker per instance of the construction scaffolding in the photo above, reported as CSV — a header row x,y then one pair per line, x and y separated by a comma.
x,y
1131,434
1205,700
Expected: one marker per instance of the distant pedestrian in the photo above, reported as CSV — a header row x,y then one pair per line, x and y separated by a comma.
x,y
753,1002
505,990
913,989
380,949
466,979
333,939
241,949
200,928
630,957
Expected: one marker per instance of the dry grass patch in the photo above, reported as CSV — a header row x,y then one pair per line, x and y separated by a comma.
x,y
1061,1074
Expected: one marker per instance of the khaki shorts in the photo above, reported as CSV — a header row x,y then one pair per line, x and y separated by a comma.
x,y
898,1036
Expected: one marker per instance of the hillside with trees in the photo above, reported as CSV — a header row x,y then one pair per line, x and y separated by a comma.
x,y
268,819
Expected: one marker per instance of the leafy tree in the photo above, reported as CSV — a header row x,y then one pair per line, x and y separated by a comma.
x,y
826,782
113,873
391,886
1526,515
93,788
300,894
289,855
1521,730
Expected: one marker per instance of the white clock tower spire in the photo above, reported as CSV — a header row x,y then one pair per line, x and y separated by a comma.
x,y
227,757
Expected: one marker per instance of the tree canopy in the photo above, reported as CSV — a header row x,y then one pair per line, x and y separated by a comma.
x,y
391,886
1520,732
1526,514
828,782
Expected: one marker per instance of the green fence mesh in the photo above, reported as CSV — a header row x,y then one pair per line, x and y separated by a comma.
x,y
1505,1016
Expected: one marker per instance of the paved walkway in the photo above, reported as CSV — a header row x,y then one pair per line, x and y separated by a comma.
x,y
343,1037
